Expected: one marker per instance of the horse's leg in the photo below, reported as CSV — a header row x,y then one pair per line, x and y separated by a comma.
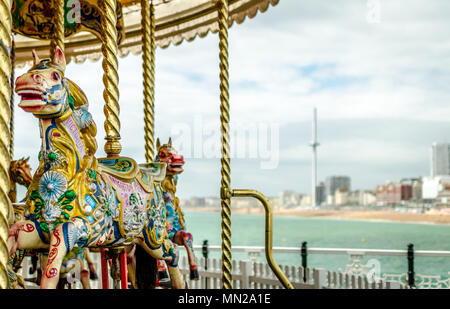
x,y
131,265
91,267
84,273
171,258
59,247
183,238
24,235
172,266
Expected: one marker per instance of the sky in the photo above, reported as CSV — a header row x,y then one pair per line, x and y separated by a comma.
x,y
377,72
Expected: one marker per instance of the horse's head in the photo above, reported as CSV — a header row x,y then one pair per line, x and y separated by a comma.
x,y
21,172
43,89
168,154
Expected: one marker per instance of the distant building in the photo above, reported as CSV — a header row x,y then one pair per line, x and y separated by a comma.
x,y
360,198
333,183
393,193
330,200
367,198
434,187
321,196
416,184
440,159
197,202
341,196
289,198
212,201
306,200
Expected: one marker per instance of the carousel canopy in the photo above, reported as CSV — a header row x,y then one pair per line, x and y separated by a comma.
x,y
176,21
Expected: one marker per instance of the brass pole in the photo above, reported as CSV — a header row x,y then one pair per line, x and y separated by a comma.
x,y
269,231
5,93
225,193
110,78
11,101
58,21
148,65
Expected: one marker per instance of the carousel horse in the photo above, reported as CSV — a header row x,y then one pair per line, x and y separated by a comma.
x,y
176,225
76,200
20,173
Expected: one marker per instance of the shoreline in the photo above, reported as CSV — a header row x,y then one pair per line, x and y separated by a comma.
x,y
357,215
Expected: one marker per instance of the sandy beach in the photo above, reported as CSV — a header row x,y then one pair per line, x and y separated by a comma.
x,y
368,215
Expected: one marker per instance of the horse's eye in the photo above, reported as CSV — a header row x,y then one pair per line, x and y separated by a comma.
x,y
55,76
162,155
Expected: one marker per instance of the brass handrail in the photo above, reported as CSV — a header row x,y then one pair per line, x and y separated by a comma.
x,y
268,235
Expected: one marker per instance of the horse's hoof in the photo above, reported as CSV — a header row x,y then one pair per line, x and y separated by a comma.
x,y
93,276
193,275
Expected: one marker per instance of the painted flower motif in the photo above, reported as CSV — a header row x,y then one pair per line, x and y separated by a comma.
x,y
52,158
51,185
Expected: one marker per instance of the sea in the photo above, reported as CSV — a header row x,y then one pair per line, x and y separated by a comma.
x,y
291,231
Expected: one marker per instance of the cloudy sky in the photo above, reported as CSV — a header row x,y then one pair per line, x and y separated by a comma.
x,y
379,82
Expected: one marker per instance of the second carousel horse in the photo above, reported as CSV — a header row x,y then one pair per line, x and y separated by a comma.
x,y
176,229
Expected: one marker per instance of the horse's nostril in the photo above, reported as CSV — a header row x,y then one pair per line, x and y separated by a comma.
x,y
37,78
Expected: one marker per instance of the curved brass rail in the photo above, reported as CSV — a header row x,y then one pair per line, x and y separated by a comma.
x,y
269,229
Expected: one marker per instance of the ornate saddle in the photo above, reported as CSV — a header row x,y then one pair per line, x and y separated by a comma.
x,y
124,168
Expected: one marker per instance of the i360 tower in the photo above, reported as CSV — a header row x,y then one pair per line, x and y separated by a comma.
x,y
314,144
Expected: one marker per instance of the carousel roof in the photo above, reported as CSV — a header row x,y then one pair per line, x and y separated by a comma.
x,y
176,21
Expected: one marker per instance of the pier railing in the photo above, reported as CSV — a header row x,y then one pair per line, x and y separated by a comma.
x,y
250,274
355,266
257,275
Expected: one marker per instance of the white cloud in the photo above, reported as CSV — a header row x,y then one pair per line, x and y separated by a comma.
x,y
398,69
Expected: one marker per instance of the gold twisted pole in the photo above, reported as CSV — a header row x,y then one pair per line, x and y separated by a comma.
x,y
148,57
5,93
110,78
11,102
58,21
225,192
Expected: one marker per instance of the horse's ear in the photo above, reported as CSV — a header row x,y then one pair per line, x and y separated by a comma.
x,y
170,142
158,143
26,159
36,59
59,58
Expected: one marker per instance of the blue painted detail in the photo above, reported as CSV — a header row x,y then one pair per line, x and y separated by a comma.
x,y
117,235
65,229
82,229
110,162
97,191
47,132
90,201
147,242
90,219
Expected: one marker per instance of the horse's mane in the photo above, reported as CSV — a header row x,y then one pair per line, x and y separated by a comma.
x,y
79,103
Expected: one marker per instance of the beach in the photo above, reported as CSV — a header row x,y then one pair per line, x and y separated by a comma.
x,y
365,215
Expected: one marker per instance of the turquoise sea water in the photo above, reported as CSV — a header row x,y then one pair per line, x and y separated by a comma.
x,y
290,231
